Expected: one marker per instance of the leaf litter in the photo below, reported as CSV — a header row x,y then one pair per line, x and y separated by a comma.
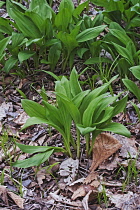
x,y
68,187
76,191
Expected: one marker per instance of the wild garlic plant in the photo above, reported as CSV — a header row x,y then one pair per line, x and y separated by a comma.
x,y
90,111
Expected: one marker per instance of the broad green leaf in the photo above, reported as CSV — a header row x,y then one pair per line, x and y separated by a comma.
x,y
24,55
14,5
5,26
26,25
92,95
54,55
74,83
3,43
104,116
121,35
17,38
52,114
68,40
63,19
100,2
77,100
37,20
81,51
52,74
116,26
89,111
124,53
2,3
102,105
135,22
36,41
137,109
136,8
97,60
37,120
66,4
116,128
120,105
84,130
64,85
9,64
80,8
136,71
34,109
42,8
36,160
90,33
71,108
34,149
132,87
115,15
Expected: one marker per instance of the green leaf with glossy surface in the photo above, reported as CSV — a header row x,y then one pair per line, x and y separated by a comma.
x,y
3,43
34,149
24,55
33,109
116,128
36,160
5,26
136,71
9,64
84,130
26,25
132,87
90,33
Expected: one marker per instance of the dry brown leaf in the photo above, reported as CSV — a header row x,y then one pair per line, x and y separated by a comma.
x,y
4,109
91,177
41,139
126,201
69,169
110,164
111,184
40,176
62,199
105,145
81,180
80,192
128,146
21,119
85,200
95,184
3,194
17,199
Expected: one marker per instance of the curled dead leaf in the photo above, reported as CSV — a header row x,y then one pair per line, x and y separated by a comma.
x,y
105,145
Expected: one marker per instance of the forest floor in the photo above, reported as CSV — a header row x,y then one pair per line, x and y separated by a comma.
x,y
110,179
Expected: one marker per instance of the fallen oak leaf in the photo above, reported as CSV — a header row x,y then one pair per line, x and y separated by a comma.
x,y
105,145
17,199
